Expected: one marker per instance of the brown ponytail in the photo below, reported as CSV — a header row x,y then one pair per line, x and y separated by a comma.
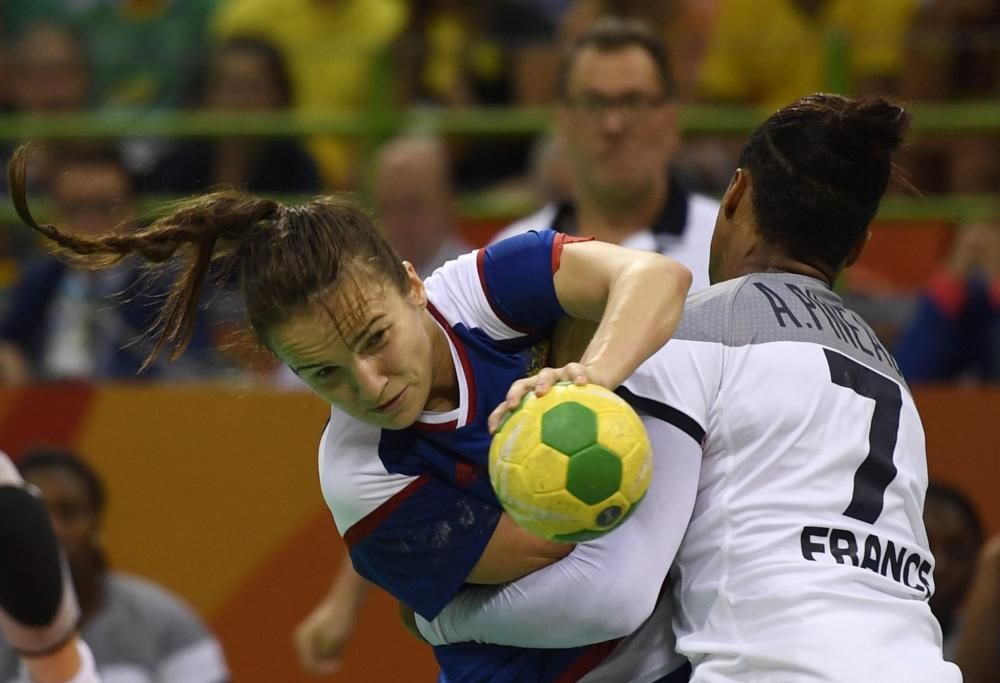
x,y
285,256
187,235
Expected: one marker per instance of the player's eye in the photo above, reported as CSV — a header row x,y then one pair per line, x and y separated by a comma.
x,y
325,372
376,339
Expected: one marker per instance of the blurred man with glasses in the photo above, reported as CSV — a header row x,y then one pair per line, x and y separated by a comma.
x,y
617,122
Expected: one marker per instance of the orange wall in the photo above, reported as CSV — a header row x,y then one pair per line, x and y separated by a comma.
x,y
216,497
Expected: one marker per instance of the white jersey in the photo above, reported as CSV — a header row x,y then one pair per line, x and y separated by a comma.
x,y
683,231
806,557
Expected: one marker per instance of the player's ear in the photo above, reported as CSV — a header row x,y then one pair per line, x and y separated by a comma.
x,y
415,293
734,193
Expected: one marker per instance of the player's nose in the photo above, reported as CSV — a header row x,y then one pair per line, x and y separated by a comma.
x,y
369,379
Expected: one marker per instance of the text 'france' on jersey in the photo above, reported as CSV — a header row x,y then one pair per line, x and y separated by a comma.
x,y
806,556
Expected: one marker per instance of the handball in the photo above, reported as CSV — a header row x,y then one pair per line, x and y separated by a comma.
x,y
571,465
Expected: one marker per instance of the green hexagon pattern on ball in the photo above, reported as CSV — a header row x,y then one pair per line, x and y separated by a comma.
x,y
569,427
594,474
571,464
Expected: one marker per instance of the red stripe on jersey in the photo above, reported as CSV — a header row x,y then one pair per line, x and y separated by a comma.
x,y
370,522
588,661
560,241
480,265
470,382
436,426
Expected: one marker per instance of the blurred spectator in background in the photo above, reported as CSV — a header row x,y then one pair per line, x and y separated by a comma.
x,y
137,631
550,177
491,54
49,74
770,52
955,535
977,648
332,49
145,53
954,54
64,323
955,332
617,125
142,53
415,203
685,26
244,75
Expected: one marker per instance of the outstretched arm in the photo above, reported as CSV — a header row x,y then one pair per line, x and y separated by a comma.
x,y
322,636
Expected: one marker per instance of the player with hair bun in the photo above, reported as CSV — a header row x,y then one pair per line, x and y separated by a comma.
x,y
806,557
419,373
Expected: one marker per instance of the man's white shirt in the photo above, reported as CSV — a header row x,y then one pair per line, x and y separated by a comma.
x,y
688,242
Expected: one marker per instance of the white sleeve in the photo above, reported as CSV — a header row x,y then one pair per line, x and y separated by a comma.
x,y
605,588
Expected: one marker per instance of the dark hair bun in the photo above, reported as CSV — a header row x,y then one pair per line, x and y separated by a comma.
x,y
876,122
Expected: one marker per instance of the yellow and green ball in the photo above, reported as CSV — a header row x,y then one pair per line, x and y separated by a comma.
x,y
571,465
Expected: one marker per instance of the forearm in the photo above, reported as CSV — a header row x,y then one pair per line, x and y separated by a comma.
x,y
348,587
644,306
514,552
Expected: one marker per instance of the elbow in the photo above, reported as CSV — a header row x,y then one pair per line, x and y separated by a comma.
x,y
622,609
679,274
665,271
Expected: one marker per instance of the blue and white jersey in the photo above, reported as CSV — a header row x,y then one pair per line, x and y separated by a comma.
x,y
415,506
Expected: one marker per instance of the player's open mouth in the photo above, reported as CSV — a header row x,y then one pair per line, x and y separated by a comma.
x,y
391,403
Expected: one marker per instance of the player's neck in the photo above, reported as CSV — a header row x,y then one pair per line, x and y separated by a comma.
x,y
444,393
768,261
614,218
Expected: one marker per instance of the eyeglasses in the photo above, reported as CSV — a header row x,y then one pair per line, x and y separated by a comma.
x,y
633,106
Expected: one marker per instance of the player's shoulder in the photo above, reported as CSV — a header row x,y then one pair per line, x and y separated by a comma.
x,y
344,442
353,478
707,313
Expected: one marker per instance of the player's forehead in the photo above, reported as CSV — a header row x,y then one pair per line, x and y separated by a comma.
x,y
333,322
625,70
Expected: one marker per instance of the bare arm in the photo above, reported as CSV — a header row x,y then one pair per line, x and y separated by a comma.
x,y
514,552
635,297
321,637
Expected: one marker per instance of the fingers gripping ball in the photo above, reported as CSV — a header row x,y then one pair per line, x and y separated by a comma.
x,y
571,465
